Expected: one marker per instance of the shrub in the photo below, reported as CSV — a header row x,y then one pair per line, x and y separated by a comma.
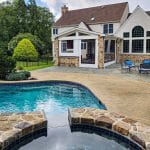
x,y
26,73
25,51
33,38
19,67
7,65
18,76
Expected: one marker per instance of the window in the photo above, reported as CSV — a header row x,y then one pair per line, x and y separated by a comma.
x,y
67,46
108,28
126,34
106,45
83,45
112,46
148,46
148,34
55,31
137,46
138,31
126,46
105,28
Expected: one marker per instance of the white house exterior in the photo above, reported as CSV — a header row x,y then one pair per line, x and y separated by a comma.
x,y
99,36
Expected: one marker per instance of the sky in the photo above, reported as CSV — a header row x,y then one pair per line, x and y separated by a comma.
x,y
55,5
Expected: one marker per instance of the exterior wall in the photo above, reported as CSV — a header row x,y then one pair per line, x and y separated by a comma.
x,y
99,27
63,61
61,30
69,61
125,15
134,58
100,52
138,18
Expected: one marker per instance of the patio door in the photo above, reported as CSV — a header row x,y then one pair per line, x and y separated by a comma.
x,y
88,53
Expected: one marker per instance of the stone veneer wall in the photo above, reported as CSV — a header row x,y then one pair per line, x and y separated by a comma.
x,y
127,127
69,61
56,52
134,57
100,52
14,127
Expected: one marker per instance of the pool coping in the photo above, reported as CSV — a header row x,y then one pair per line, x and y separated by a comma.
x,y
18,129
127,129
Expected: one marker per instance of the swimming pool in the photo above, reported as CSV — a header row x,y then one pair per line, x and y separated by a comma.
x,y
54,97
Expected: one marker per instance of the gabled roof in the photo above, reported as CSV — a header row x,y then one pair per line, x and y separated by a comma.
x,y
99,14
74,29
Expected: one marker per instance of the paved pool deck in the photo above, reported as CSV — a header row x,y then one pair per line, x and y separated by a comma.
x,y
124,93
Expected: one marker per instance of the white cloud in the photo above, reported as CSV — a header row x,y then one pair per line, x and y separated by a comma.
x,y
55,5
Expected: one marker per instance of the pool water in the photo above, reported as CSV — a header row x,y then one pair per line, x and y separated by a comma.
x,y
50,97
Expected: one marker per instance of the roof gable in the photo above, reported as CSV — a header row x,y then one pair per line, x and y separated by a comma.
x,y
100,14
138,17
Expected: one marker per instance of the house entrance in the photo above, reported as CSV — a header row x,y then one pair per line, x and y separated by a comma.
x,y
88,53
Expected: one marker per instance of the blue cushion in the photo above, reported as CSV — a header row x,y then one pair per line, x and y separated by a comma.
x,y
146,61
129,63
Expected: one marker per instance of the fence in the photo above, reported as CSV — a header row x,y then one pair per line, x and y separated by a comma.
x,y
39,62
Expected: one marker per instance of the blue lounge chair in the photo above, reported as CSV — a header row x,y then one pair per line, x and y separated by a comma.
x,y
127,65
145,67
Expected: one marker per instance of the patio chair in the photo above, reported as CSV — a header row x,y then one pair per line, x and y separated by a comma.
x,y
127,65
145,67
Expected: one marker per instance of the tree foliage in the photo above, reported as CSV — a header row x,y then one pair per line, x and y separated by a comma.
x,y
7,65
39,45
20,17
25,51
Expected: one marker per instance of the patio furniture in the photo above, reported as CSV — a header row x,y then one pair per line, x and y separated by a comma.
x,y
145,67
127,65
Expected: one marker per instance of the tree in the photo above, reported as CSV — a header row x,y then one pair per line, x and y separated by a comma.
x,y
7,65
7,24
39,45
21,15
25,51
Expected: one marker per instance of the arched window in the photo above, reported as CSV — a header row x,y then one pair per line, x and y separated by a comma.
x,y
138,31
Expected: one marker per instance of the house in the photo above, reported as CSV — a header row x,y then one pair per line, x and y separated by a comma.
x,y
100,36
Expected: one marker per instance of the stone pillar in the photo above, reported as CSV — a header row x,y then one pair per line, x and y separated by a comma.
x,y
100,52
56,52
118,50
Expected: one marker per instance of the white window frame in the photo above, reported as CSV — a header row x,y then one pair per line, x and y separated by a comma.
x,y
55,31
108,24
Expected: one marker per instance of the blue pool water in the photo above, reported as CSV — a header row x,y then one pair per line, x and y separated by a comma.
x,y
54,97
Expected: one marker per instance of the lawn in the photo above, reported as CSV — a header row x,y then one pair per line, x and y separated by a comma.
x,y
34,65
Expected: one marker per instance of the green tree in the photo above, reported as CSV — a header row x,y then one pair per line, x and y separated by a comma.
x,y
39,45
21,15
25,51
7,65
7,24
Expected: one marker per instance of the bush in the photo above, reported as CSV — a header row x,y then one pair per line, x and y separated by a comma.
x,y
26,73
18,76
33,38
25,51
19,67
7,65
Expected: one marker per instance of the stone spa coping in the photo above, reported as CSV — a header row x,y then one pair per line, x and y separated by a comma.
x,y
17,129
128,130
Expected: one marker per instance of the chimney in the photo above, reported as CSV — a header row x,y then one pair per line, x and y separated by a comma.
x,y
64,9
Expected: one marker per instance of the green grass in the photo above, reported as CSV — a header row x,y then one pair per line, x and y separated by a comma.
x,y
34,65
